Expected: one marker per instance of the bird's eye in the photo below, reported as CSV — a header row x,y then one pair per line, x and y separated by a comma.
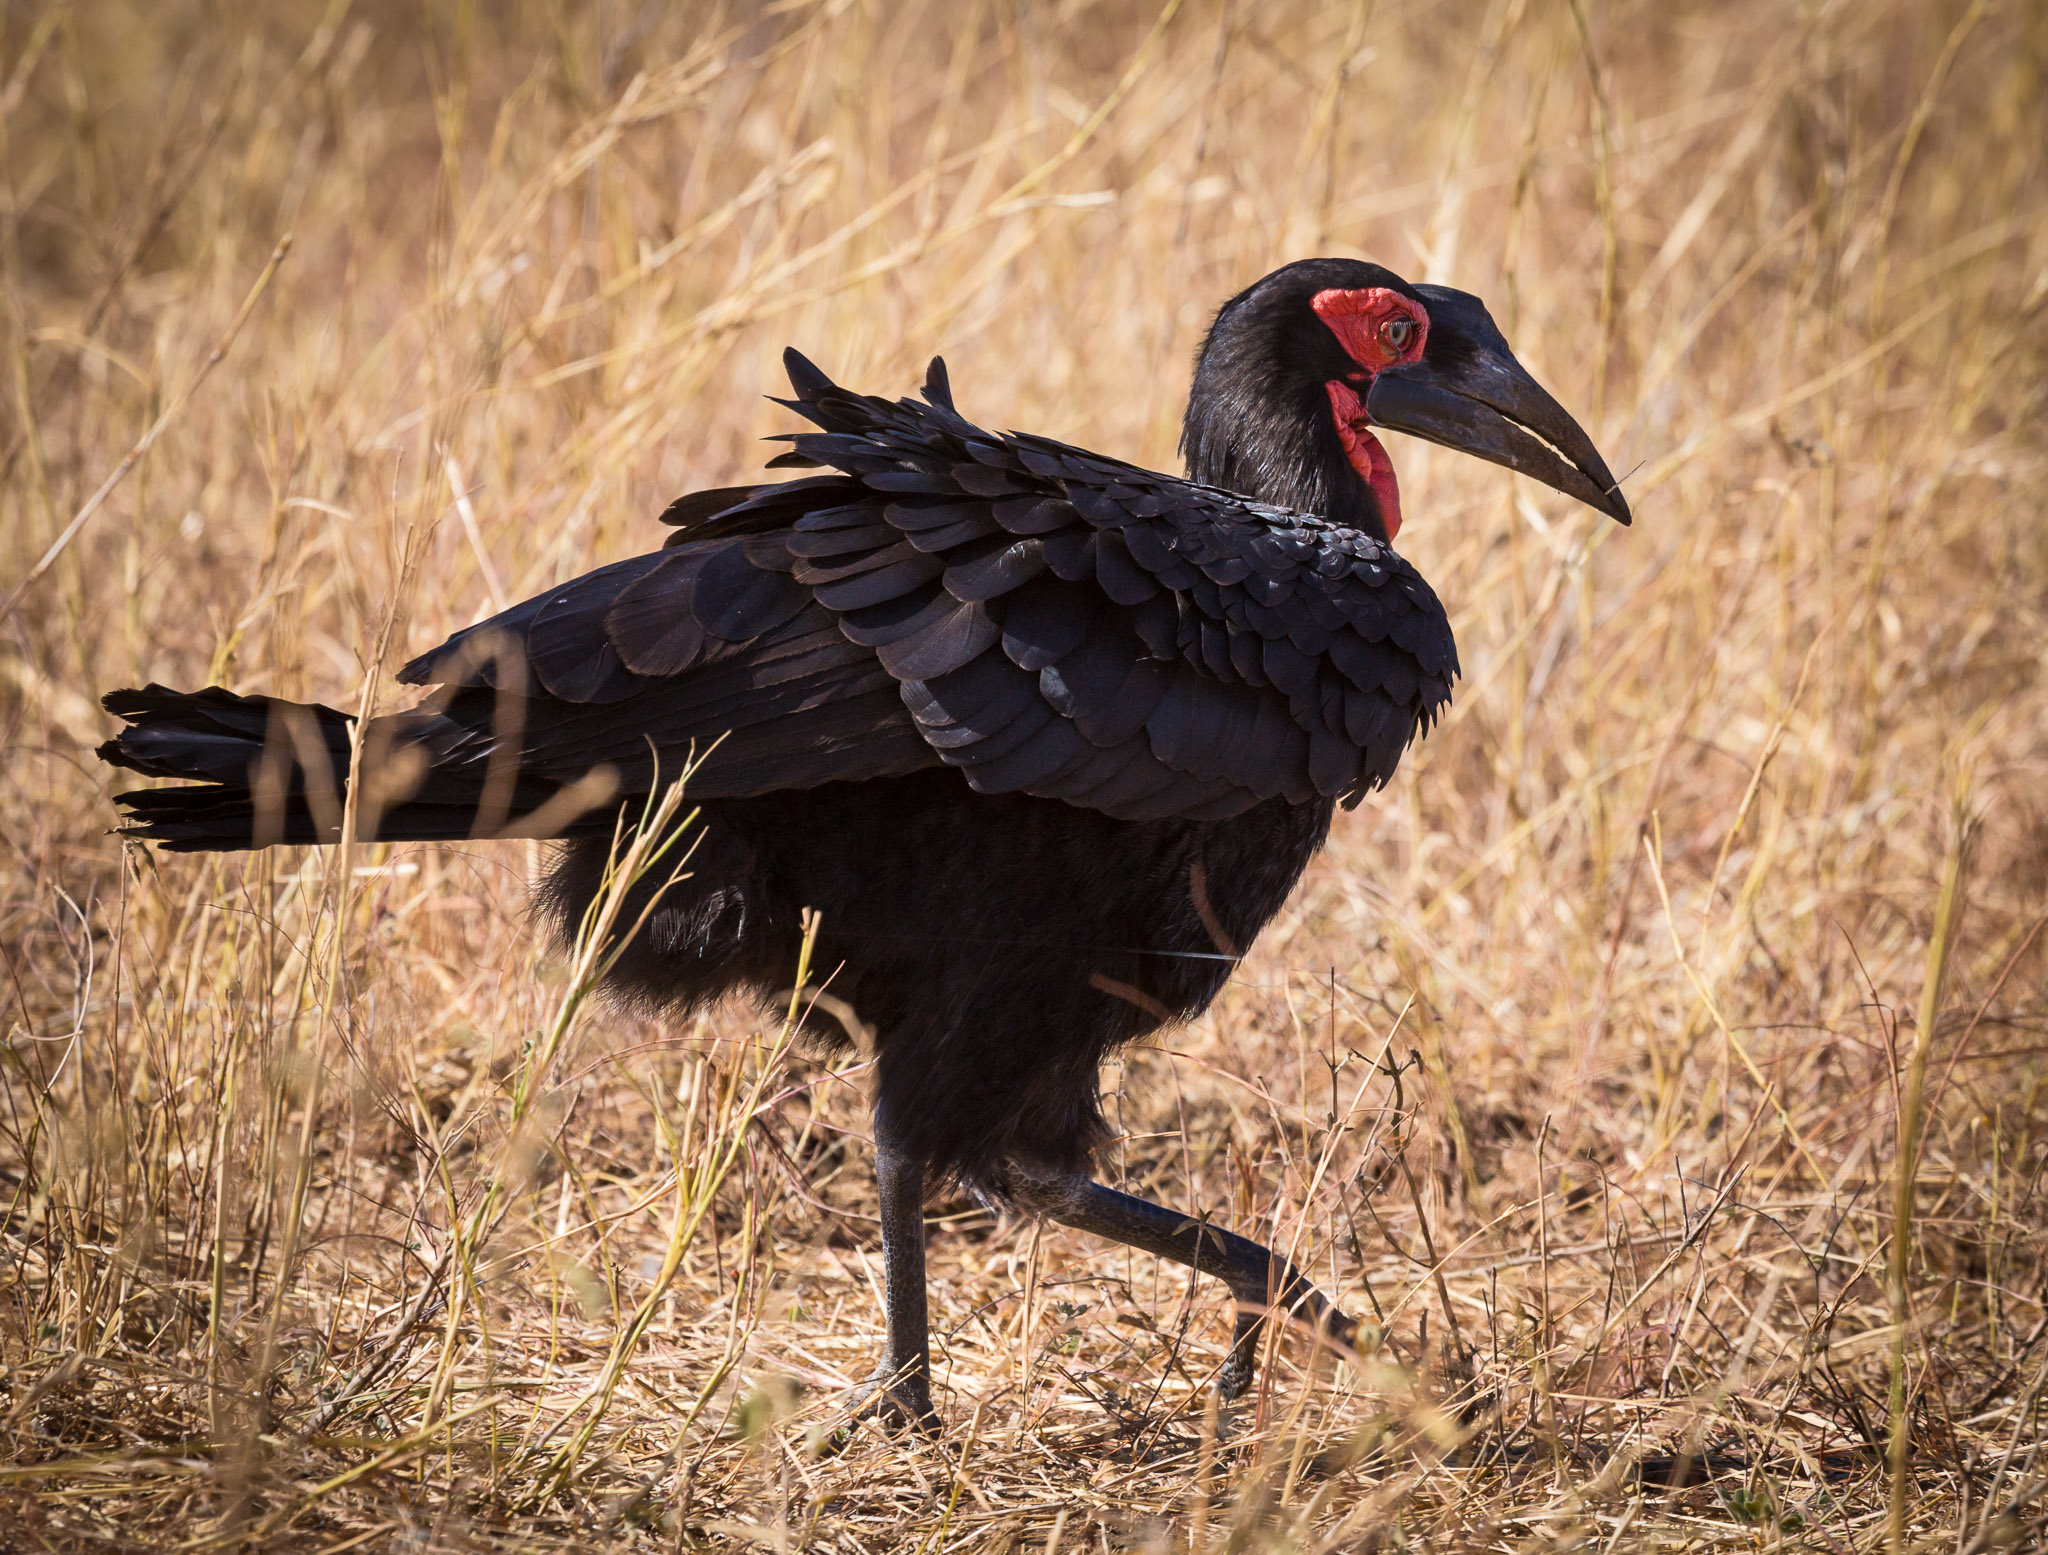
x,y
1398,334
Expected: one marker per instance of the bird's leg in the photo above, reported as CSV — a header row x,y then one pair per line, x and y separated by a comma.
x,y
899,1389
1259,1279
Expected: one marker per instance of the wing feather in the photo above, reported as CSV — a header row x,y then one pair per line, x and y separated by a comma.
x,y
1046,620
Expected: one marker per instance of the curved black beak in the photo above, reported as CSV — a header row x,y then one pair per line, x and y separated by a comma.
x,y
1469,393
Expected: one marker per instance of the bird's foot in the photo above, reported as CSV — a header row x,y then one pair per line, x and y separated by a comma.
x,y
1234,1378
897,1398
1312,1312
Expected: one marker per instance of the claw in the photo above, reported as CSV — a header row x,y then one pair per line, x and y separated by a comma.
x,y
1311,1311
896,1399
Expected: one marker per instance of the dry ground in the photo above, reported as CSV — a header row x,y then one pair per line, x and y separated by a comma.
x,y
336,1218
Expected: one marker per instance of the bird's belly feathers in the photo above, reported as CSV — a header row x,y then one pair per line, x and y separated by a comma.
x,y
997,947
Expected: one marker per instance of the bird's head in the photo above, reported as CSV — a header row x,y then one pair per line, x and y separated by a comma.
x,y
1299,370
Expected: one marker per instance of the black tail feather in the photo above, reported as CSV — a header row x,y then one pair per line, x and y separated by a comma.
x,y
263,770
213,734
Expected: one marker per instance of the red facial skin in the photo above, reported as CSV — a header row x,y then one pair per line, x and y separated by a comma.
x,y
1361,322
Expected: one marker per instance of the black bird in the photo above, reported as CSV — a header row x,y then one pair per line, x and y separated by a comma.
x,y
1044,738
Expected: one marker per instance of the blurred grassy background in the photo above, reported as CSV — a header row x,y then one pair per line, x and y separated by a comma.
x,y
335,1219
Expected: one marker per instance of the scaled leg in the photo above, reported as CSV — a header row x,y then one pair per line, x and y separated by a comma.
x,y
899,1389
1259,1279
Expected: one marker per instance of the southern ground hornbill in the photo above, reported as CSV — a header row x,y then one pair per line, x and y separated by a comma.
x,y
1044,738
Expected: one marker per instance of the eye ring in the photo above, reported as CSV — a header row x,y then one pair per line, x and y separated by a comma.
x,y
1398,334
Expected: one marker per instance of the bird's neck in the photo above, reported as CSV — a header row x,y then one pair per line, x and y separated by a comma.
x,y
1251,430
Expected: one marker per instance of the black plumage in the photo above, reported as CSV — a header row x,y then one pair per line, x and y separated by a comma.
x,y
1044,738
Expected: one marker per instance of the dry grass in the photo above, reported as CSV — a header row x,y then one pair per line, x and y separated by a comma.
x,y
335,1218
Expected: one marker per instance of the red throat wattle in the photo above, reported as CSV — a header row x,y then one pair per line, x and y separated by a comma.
x,y
1378,329
1367,457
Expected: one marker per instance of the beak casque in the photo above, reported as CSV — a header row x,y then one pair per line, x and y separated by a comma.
x,y
1469,393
